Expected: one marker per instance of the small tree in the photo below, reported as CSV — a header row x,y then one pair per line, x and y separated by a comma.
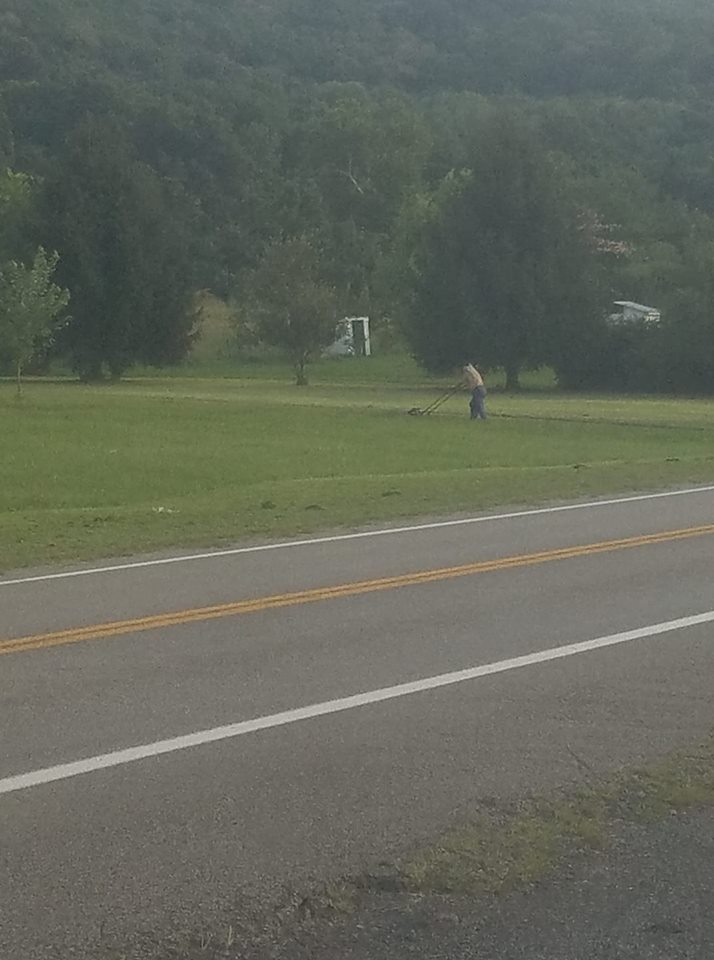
x,y
30,304
293,307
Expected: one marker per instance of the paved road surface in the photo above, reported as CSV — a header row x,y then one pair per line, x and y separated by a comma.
x,y
171,840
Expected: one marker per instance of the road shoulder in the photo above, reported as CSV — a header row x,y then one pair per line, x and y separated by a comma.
x,y
618,868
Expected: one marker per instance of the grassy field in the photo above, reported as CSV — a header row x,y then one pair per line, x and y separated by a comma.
x,y
193,460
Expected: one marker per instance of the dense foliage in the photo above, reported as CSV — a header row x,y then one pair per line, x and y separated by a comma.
x,y
125,254
503,262
243,122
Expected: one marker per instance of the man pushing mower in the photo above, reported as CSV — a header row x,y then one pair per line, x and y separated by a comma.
x,y
473,381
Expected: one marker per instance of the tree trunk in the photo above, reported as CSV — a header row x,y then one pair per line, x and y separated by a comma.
x,y
117,369
19,378
513,377
300,374
90,371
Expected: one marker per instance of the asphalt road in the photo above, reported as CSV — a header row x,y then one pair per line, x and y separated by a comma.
x,y
172,840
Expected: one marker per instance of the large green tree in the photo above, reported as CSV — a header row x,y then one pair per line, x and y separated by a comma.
x,y
125,255
503,273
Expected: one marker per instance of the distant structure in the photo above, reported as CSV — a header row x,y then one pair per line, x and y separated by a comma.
x,y
632,313
351,339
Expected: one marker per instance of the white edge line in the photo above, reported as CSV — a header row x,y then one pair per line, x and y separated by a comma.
x,y
117,758
315,541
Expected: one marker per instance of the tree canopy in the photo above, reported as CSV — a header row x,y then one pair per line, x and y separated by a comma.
x,y
125,255
504,272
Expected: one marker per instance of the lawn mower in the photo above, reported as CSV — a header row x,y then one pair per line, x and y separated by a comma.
x,y
435,404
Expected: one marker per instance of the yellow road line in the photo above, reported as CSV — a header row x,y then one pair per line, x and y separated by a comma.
x,y
199,614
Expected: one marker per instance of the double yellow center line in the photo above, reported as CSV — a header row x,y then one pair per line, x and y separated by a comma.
x,y
240,607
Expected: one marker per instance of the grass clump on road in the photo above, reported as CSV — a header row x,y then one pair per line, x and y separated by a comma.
x,y
496,853
158,463
506,849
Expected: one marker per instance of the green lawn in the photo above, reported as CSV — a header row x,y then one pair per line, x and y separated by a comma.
x,y
187,461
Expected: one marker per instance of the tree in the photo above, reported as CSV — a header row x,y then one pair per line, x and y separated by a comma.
x,y
16,200
355,157
502,272
30,304
294,308
685,360
125,255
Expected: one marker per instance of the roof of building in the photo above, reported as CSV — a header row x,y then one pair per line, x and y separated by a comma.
x,y
640,307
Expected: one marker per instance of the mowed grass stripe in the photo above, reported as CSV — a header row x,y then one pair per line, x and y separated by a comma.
x,y
164,464
259,604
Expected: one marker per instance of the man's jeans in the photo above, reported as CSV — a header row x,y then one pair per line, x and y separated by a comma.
x,y
478,404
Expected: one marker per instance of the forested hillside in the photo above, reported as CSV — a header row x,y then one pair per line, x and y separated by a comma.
x,y
652,48
268,118
193,75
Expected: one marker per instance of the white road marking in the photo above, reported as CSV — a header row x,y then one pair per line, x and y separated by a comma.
x,y
117,758
316,541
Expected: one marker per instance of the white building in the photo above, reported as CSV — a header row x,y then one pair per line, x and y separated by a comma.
x,y
351,339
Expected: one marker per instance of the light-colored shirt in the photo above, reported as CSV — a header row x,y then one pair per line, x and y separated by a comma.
x,y
472,377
